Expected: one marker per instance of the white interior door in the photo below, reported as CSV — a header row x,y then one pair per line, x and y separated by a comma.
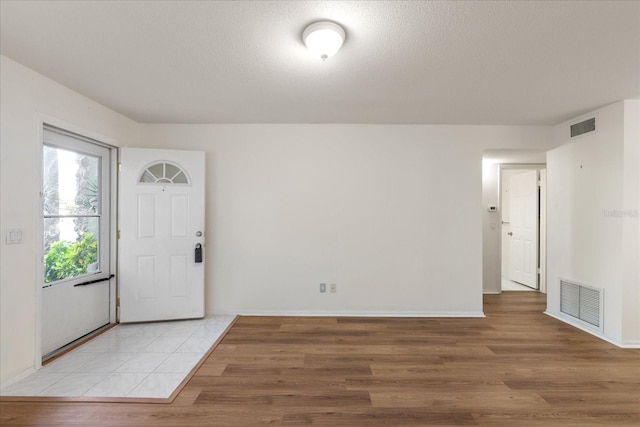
x,y
161,222
523,217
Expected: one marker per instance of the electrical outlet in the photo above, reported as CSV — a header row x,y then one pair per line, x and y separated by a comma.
x,y
332,288
323,288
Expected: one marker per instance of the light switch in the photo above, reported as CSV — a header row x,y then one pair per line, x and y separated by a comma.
x,y
14,236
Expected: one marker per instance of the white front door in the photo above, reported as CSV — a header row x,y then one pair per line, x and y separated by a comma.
x,y
161,223
524,214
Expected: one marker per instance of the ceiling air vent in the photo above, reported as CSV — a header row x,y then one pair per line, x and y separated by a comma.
x,y
583,127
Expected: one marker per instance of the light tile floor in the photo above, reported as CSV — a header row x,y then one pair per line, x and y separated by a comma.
x,y
508,285
133,360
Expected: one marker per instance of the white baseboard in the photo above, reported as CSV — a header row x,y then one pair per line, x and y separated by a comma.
x,y
593,332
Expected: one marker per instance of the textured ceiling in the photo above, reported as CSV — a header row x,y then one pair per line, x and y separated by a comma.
x,y
403,62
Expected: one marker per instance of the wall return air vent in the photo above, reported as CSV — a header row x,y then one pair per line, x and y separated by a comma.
x,y
583,127
582,302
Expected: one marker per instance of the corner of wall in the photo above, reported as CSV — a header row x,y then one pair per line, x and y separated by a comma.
x,y
630,224
25,96
592,236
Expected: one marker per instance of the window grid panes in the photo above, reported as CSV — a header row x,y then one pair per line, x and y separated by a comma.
x,y
163,173
71,214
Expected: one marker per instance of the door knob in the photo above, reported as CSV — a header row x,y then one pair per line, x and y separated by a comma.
x,y
510,233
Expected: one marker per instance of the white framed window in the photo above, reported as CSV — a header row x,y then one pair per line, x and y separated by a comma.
x,y
75,207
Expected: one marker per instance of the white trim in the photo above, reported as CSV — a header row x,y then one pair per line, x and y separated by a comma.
x,y
466,314
113,235
542,236
63,125
39,239
568,320
492,292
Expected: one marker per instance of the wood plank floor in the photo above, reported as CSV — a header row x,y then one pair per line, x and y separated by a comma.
x,y
517,367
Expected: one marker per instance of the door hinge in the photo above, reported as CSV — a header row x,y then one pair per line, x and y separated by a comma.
x,y
118,302
119,166
118,234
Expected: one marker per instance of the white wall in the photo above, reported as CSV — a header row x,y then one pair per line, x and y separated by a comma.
x,y
491,280
392,214
24,97
592,202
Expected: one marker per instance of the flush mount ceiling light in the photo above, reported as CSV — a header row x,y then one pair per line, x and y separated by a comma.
x,y
323,38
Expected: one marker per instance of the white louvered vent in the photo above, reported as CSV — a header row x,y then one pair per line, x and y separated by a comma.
x,y
582,302
583,127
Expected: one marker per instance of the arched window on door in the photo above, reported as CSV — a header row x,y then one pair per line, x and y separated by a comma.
x,y
163,173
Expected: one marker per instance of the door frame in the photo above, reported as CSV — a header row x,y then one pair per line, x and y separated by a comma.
x,y
542,234
111,144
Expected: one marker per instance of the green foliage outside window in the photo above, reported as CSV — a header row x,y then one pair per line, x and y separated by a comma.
x,y
67,259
